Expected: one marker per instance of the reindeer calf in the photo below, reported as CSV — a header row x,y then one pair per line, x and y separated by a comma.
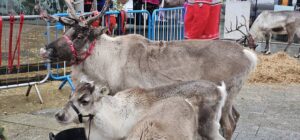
x,y
174,118
130,112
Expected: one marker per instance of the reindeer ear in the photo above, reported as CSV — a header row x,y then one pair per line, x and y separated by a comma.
x,y
101,92
101,31
104,90
90,86
97,32
86,85
104,30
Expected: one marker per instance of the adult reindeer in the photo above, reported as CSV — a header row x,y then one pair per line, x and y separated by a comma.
x,y
275,22
134,61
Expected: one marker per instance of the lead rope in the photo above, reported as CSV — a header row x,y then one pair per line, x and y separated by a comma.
x,y
90,118
11,21
80,116
17,48
0,40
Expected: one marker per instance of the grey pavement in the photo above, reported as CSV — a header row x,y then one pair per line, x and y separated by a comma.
x,y
268,112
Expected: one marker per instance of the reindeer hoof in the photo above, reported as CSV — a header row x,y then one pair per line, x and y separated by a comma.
x,y
267,53
263,51
297,56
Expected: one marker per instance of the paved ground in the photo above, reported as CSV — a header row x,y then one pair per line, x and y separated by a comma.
x,y
268,112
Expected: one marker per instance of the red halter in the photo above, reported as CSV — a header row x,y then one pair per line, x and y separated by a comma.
x,y
79,58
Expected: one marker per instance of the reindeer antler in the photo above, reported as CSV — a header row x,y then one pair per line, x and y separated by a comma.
x,y
72,11
102,12
44,14
72,14
238,26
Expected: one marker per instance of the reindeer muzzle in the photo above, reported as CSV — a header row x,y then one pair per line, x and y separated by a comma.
x,y
45,54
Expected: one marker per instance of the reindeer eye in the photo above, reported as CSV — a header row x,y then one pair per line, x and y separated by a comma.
x,y
80,36
84,102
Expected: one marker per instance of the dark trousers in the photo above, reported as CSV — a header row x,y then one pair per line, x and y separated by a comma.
x,y
138,4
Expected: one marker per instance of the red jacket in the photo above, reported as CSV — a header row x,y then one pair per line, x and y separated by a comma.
x,y
88,1
204,1
152,1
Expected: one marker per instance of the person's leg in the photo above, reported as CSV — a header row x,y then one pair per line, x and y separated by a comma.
x,y
87,7
200,16
188,20
213,22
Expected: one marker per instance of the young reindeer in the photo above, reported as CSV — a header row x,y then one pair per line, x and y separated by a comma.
x,y
174,118
275,22
186,110
134,61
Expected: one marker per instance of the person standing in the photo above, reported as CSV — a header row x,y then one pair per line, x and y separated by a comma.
x,y
202,19
88,5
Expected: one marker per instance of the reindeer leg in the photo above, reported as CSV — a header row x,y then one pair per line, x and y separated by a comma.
x,y
268,47
227,126
228,122
297,55
289,43
235,114
267,44
291,33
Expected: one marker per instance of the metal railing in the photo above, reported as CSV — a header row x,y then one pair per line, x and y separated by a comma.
x,y
33,71
168,24
21,65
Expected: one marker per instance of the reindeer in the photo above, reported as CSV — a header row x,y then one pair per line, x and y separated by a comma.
x,y
133,61
186,110
162,122
275,22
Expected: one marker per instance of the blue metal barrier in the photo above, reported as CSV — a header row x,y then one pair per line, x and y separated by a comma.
x,y
64,78
168,24
134,25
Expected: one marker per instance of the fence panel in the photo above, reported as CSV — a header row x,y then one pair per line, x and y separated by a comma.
x,y
21,65
168,24
137,22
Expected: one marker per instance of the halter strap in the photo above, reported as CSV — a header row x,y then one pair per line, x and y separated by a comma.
x,y
78,58
80,117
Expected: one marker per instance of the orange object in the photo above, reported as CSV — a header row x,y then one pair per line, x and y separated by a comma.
x,y
97,22
285,2
111,23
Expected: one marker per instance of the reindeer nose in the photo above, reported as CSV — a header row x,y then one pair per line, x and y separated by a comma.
x,y
60,116
43,53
